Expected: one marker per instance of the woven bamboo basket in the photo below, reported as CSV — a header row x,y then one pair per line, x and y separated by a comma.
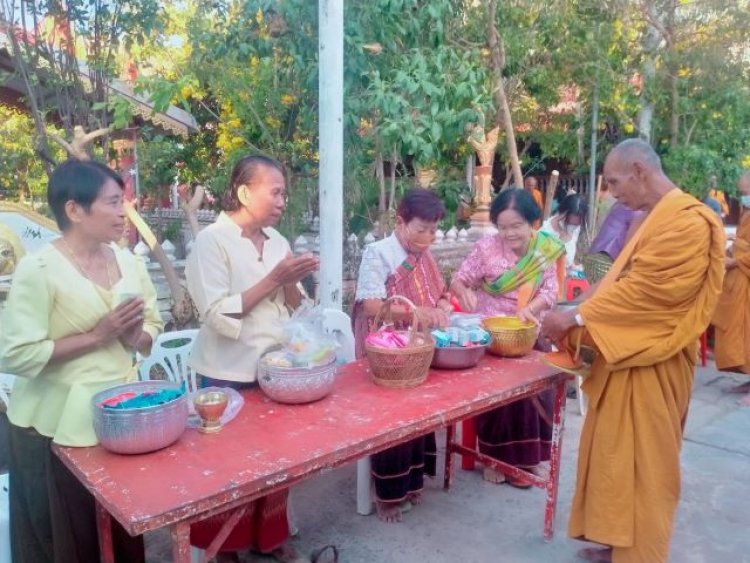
x,y
401,367
596,266
511,337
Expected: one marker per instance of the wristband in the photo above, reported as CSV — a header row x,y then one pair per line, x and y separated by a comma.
x,y
579,319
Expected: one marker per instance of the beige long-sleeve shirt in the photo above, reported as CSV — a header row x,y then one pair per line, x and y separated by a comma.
x,y
220,267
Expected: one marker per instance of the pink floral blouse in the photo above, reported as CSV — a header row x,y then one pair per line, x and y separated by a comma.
x,y
490,258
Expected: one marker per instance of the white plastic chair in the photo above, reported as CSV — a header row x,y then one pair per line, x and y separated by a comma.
x,y
6,385
171,359
340,324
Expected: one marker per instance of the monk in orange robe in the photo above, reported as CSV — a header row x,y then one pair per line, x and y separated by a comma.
x,y
644,319
532,186
732,317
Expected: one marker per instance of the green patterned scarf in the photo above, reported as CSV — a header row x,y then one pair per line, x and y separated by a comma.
x,y
544,249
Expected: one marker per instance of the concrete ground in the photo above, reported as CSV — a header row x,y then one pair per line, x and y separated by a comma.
x,y
477,522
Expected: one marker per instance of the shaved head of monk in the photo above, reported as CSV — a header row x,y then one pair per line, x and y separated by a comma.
x,y
634,175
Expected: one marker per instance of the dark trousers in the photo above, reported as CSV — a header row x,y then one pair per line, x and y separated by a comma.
x,y
52,515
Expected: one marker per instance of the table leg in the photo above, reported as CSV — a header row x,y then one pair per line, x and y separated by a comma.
x,y
450,436
181,542
364,486
558,423
104,527
469,440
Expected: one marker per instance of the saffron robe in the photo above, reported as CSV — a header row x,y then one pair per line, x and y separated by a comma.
x,y
645,320
732,317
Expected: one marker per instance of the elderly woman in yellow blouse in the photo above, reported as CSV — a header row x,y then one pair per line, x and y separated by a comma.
x,y
244,280
77,310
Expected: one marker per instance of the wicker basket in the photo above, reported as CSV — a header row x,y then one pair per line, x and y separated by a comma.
x,y
596,266
511,336
401,367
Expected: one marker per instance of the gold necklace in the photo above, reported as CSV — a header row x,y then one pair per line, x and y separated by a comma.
x,y
79,266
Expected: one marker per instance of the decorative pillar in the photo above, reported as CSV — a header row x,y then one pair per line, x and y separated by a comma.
x,y
125,164
485,145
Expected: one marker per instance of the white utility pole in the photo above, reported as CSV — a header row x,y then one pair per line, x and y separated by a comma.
x,y
331,134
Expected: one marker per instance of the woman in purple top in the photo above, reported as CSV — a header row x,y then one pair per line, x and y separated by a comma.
x,y
616,230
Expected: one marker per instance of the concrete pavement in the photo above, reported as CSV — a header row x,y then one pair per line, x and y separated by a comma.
x,y
477,522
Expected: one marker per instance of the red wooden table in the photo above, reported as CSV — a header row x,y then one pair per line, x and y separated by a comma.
x,y
270,446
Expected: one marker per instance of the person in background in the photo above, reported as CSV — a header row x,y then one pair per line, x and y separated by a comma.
x,y
616,229
717,194
77,311
402,264
567,224
512,273
531,185
732,316
714,205
244,280
644,320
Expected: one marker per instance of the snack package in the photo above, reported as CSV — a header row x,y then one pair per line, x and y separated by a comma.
x,y
465,320
388,339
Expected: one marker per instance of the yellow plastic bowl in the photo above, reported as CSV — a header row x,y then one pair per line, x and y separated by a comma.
x,y
510,336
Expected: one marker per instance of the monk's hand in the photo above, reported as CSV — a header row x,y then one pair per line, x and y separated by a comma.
x,y
557,324
730,263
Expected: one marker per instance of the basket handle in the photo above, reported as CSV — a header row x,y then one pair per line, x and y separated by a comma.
x,y
386,314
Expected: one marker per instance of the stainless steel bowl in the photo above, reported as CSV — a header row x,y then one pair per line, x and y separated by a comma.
x,y
138,431
455,357
297,385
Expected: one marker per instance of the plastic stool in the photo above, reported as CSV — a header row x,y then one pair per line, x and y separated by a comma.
x,y
574,287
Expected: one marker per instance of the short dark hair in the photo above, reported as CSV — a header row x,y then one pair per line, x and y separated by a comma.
x,y
422,204
518,199
243,174
79,181
573,204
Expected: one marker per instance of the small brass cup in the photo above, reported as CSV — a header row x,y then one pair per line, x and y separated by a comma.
x,y
210,406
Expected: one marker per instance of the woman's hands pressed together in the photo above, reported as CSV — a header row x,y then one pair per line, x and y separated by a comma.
x,y
292,269
124,322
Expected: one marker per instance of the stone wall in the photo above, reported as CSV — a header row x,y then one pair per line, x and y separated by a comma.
x,y
450,249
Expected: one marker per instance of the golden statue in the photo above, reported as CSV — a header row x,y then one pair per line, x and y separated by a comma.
x,y
11,250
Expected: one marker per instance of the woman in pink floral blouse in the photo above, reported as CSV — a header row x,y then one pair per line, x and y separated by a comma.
x,y
512,273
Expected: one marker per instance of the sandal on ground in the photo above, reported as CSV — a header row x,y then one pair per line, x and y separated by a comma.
x,y
518,483
330,552
287,554
596,554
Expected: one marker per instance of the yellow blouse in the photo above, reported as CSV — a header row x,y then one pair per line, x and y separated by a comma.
x,y
49,300
221,265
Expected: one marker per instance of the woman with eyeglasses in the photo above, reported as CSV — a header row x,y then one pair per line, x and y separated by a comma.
x,y
402,264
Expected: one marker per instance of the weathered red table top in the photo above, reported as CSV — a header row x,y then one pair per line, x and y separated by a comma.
x,y
269,444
